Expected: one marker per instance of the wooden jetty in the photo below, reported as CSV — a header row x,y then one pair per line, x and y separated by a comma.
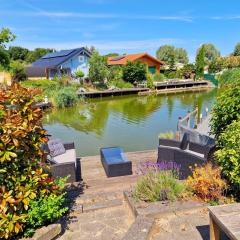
x,y
109,93
43,105
160,88
180,84
96,180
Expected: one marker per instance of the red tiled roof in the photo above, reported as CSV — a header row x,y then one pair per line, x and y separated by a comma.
x,y
123,59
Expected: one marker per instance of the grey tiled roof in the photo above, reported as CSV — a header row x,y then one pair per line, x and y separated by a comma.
x,y
57,58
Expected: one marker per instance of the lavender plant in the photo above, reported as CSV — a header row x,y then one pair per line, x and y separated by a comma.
x,y
144,167
158,182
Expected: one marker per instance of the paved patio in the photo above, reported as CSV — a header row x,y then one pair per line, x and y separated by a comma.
x,y
109,223
100,211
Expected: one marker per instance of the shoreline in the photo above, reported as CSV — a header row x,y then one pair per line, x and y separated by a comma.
x,y
160,88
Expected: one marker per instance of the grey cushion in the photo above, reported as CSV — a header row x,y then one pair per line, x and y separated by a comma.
x,y
56,147
68,156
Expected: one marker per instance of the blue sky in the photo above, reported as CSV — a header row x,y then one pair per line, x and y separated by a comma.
x,y
123,26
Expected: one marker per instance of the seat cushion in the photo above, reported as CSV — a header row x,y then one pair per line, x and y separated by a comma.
x,y
68,156
56,147
113,155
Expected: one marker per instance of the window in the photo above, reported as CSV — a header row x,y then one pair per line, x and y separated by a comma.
x,y
81,58
152,69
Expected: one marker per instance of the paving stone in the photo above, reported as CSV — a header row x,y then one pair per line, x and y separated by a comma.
x,y
140,229
109,223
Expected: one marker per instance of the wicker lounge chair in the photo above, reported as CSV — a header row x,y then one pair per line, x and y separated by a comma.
x,y
115,162
63,161
184,153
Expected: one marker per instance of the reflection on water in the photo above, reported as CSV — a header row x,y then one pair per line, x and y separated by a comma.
x,y
132,122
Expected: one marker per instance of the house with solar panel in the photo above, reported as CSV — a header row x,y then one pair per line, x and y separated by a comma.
x,y
65,62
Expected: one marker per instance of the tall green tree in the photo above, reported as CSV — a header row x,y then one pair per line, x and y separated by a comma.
x,y
236,51
37,53
6,36
181,55
98,69
166,53
200,63
91,49
171,55
4,59
211,52
18,53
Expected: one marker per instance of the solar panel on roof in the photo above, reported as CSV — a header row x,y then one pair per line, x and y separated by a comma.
x,y
62,53
117,58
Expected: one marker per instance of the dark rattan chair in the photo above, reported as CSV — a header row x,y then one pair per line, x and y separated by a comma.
x,y
184,153
66,164
115,162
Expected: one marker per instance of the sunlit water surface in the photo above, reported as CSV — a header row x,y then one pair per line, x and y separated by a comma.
x,y
132,122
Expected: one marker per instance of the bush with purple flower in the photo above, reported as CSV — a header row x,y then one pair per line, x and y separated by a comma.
x,y
158,182
144,167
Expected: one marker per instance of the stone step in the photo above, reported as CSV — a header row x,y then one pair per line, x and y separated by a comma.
x,y
140,229
92,202
84,208
95,197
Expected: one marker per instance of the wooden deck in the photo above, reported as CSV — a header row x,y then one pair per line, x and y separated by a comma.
x,y
96,180
109,93
160,88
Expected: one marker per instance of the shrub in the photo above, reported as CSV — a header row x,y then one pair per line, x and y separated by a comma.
x,y
4,59
144,167
17,71
216,65
22,179
150,80
167,135
119,84
206,183
226,109
171,74
98,69
115,74
228,154
230,77
65,97
159,77
63,80
134,72
79,74
40,83
187,71
43,211
159,186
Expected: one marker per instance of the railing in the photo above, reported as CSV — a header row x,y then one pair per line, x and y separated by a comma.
x,y
190,123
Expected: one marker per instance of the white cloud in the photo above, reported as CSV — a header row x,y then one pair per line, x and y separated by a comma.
x,y
83,15
118,16
236,17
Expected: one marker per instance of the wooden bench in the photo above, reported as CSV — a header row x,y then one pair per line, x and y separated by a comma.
x,y
226,218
